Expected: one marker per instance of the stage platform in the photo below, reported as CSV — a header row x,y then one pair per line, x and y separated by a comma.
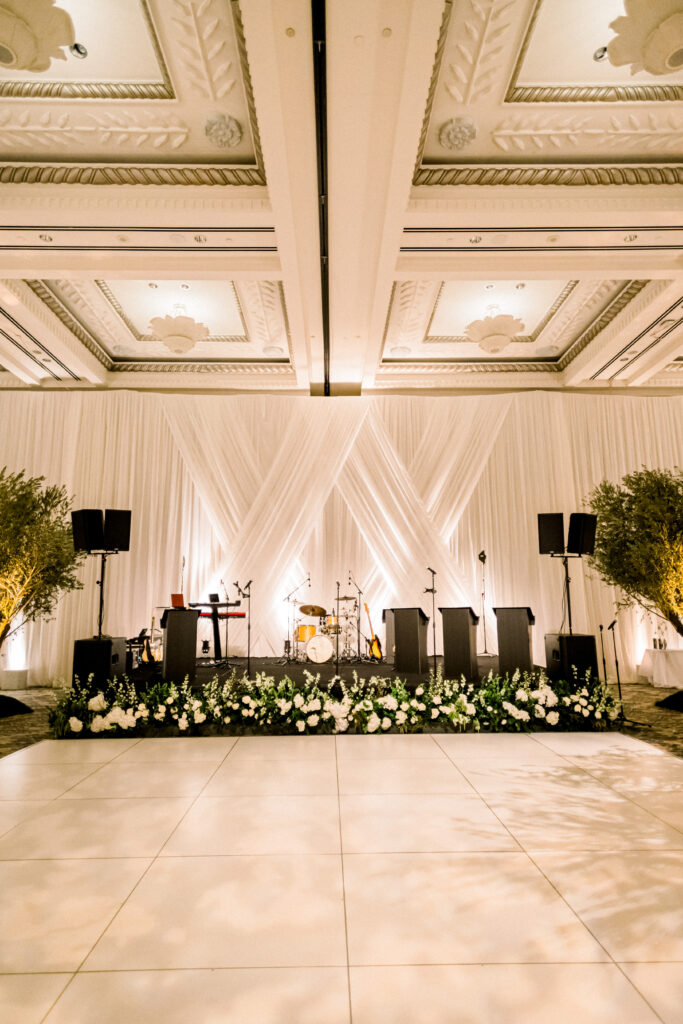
x,y
296,670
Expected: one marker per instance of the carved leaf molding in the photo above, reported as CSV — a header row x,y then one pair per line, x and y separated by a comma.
x,y
647,133
262,303
479,51
202,42
413,303
25,128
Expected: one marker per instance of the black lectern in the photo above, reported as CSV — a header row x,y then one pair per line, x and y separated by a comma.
x,y
406,638
180,643
514,639
459,643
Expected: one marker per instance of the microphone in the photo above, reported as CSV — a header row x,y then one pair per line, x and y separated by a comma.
x,y
433,571
600,627
247,585
482,556
612,624
236,584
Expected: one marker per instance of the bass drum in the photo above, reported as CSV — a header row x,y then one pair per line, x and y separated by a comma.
x,y
319,649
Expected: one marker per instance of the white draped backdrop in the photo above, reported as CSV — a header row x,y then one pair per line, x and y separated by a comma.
x,y
269,488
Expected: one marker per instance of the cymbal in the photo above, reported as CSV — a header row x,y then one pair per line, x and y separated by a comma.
x,y
352,598
312,609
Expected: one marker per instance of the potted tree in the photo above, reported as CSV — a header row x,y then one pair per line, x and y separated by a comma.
x,y
37,559
639,540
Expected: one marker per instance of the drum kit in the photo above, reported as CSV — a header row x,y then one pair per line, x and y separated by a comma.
x,y
317,642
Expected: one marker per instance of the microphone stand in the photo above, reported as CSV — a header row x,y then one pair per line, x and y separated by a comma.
x,y
336,665
289,653
352,582
602,648
482,559
432,590
621,716
246,592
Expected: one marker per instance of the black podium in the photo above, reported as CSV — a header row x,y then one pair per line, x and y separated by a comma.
x,y
406,639
459,643
180,644
514,639
567,651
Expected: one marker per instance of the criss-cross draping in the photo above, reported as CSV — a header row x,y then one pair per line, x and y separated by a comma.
x,y
271,488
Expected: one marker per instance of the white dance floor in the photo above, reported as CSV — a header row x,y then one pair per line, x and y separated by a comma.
x,y
505,879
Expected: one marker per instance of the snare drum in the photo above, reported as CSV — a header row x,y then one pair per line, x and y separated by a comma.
x,y
304,633
331,624
319,649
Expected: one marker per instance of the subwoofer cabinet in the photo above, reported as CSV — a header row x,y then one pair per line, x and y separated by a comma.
x,y
565,652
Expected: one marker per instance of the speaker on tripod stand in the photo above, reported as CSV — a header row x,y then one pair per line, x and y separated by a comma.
x,y
566,652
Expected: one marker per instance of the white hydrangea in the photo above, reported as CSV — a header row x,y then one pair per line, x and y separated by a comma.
x,y
401,717
435,712
99,724
75,724
373,723
552,718
521,695
313,720
301,725
298,700
97,703
388,702
386,723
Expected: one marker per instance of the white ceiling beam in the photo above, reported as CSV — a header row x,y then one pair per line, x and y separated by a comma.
x,y
662,354
481,265
279,44
117,264
380,57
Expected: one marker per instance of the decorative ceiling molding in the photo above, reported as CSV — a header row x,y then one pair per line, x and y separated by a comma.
x,y
627,294
125,174
657,331
484,32
100,90
109,297
206,69
20,128
280,368
582,93
433,82
53,303
264,314
431,368
647,131
549,174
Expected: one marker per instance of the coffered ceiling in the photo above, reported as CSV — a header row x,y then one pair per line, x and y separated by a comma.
x,y
503,196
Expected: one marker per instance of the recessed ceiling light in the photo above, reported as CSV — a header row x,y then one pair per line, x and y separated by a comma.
x,y
630,237
78,50
489,287
600,53
520,286
475,239
152,284
200,239
45,238
185,287
290,32
386,32
46,359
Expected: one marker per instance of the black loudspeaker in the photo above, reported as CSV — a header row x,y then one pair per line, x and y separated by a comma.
x,y
117,529
88,529
581,539
102,658
567,651
550,533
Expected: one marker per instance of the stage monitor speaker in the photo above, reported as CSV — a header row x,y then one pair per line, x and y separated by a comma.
x,y
102,658
117,529
550,533
567,651
88,529
581,539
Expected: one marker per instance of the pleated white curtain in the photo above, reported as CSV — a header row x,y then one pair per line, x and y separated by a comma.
x,y
272,488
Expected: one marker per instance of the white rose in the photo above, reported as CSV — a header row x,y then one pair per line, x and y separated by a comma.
x,y
552,718
598,714
227,719
75,724
373,723
301,725
97,703
386,723
435,712
169,700
419,691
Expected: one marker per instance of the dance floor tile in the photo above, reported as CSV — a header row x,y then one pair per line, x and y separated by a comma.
x,y
52,912
179,748
585,817
666,805
517,748
635,772
581,744
146,779
662,986
39,781
285,996
26,998
458,908
229,912
533,781
94,828
272,778
258,825
423,775
14,811
275,748
424,823
389,747
95,751
501,994
632,902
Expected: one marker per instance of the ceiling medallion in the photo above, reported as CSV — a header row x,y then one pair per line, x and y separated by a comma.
x,y
178,333
32,33
223,131
649,37
494,333
456,133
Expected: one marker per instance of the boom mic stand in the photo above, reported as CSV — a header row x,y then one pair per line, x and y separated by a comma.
x,y
432,590
289,652
482,559
602,649
352,583
246,592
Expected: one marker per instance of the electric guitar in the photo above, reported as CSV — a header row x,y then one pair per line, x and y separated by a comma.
x,y
374,646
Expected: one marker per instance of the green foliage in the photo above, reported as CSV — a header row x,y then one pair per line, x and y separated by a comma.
x,y
37,558
261,705
639,540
